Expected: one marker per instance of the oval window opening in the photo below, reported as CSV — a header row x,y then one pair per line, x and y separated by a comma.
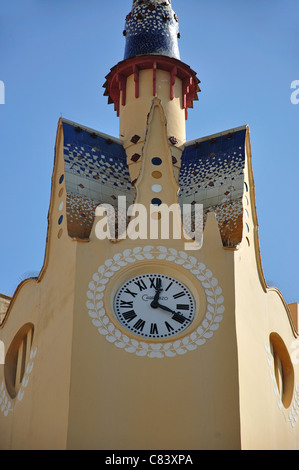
x,y
17,358
283,369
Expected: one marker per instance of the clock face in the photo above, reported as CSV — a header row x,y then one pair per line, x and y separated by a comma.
x,y
154,305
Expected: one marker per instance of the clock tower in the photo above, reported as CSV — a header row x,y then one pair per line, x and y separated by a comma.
x,y
150,325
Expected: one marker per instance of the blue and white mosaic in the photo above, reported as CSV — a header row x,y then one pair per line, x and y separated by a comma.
x,y
90,163
212,174
212,169
96,172
151,28
218,171
94,164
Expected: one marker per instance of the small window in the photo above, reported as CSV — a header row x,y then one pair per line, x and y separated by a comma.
x,y
283,369
17,358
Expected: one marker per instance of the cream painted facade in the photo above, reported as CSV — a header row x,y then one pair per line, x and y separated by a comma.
x,y
76,378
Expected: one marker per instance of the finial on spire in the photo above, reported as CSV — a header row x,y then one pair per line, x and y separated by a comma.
x,y
152,28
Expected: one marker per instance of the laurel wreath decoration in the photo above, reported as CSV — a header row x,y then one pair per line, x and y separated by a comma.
x,y
199,337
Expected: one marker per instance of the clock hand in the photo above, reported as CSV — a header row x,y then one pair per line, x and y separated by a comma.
x,y
163,307
176,315
154,303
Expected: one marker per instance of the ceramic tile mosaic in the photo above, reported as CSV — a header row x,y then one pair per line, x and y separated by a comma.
x,y
151,28
96,172
80,212
212,174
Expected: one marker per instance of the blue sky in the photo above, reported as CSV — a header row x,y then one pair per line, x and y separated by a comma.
x,y
54,56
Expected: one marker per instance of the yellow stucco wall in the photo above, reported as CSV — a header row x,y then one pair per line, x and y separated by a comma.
x,y
266,423
37,417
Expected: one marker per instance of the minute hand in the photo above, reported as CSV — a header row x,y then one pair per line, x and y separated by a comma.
x,y
154,303
177,315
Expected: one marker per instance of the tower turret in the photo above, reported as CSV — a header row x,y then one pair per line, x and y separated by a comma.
x,y
151,69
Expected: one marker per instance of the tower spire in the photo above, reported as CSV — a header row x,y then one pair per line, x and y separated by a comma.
x,y
151,69
152,32
152,28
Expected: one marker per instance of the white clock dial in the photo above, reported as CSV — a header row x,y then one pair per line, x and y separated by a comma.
x,y
154,305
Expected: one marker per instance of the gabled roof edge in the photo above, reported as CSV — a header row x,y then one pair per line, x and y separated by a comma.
x,y
89,129
214,136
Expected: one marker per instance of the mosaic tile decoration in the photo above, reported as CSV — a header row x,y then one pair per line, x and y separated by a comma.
x,y
212,174
151,28
80,215
96,172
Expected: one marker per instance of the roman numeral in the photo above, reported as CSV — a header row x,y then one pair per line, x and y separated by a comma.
x,y
141,285
169,286
133,294
129,316
182,307
180,294
169,327
124,304
139,325
179,318
154,282
154,329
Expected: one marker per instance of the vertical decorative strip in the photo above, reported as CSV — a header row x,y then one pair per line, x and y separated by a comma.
x,y
154,78
136,80
174,72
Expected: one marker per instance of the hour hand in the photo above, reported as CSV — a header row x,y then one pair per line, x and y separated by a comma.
x,y
176,315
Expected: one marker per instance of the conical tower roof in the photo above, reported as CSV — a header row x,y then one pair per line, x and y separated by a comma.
x,y
152,28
